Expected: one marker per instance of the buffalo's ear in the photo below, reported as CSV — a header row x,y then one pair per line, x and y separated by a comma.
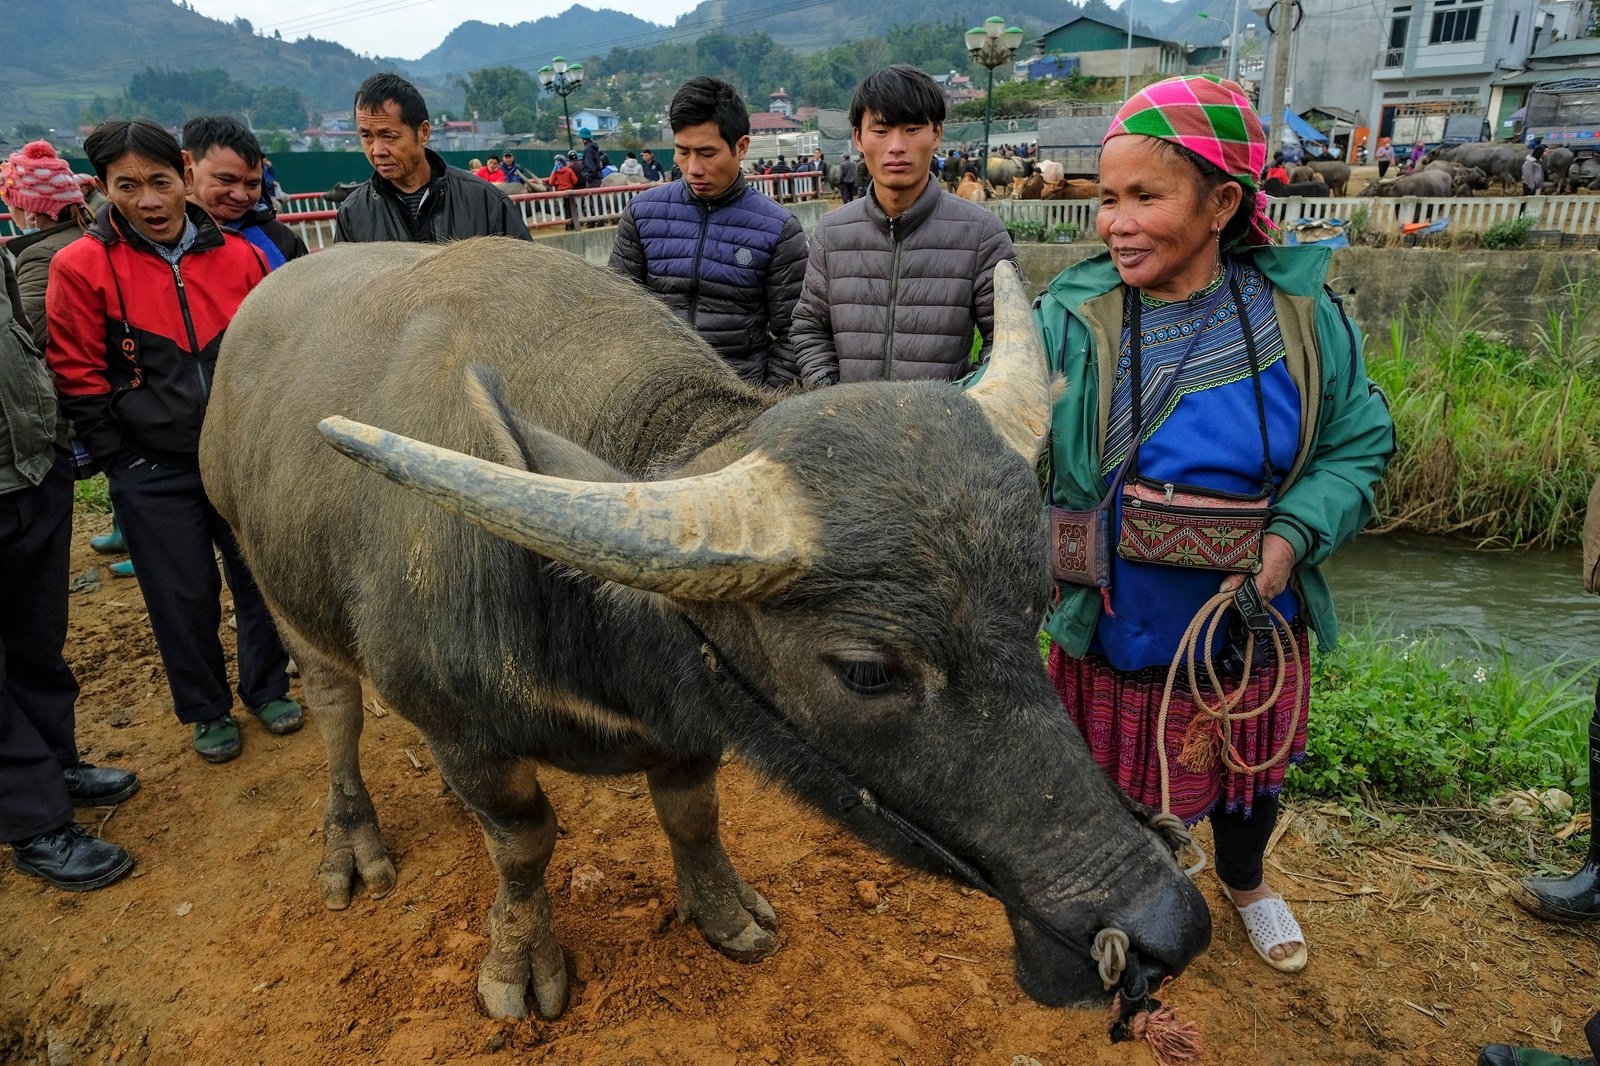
x,y
521,444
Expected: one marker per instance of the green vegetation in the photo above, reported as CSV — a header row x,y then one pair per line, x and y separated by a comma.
x,y
1391,717
1508,233
92,496
1020,99
171,96
1496,440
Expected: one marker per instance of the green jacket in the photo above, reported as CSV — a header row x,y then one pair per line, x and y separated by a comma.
x,y
1346,435
30,424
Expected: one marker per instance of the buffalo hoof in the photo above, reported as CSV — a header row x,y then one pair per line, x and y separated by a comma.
x,y
503,999
347,854
748,932
750,944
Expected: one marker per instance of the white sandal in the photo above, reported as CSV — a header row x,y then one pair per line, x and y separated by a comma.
x,y
1270,924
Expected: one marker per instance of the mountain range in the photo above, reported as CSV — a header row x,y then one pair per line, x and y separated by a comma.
x,y
66,52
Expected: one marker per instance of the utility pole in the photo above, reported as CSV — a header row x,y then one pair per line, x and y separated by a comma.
x,y
1281,34
1127,76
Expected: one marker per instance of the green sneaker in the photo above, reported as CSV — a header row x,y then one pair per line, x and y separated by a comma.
x,y
280,717
218,740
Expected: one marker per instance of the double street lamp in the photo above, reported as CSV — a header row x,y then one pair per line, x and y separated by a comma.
x,y
563,80
992,44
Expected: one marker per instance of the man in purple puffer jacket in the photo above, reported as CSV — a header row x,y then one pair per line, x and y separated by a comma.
x,y
726,259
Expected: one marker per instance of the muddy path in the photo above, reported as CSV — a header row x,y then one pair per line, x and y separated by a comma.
x,y
217,951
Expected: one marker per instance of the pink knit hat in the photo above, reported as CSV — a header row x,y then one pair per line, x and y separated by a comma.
x,y
36,179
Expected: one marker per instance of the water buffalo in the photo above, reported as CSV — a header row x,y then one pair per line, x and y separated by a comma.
x,y
1003,170
1302,175
615,558
1274,187
1557,167
1464,180
1335,173
1423,183
1499,162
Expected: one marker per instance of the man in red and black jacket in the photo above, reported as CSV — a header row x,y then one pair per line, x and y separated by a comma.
x,y
137,308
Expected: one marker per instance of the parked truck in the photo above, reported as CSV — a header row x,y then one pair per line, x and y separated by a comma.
x,y
1565,114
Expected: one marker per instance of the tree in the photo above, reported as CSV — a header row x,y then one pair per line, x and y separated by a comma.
x,y
279,107
494,91
276,143
30,131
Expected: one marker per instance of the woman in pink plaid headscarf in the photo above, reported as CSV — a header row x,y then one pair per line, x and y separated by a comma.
x,y
1202,361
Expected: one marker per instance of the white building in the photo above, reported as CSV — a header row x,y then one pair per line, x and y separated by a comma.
x,y
1443,56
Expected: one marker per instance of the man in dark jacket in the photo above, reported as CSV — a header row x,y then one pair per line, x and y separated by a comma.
x,y
41,776
222,163
899,279
592,163
652,169
413,194
725,258
848,172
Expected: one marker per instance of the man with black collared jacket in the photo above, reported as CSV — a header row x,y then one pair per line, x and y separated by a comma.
x,y
41,776
414,195
727,260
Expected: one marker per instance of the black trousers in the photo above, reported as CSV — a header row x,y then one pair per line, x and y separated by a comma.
x,y
37,689
847,191
174,535
1242,842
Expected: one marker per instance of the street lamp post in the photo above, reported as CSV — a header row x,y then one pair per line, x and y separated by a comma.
x,y
992,44
563,80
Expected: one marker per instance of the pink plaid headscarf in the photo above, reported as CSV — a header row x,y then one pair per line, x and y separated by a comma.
x,y
1214,120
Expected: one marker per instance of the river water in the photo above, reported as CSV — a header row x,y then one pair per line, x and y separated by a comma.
x,y
1473,601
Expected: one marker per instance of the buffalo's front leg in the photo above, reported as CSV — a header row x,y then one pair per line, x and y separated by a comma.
x,y
351,844
711,894
519,826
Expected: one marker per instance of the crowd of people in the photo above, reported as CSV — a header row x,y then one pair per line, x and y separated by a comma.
x,y
1211,378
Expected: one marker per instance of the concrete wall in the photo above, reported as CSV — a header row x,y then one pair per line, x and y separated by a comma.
x,y
1512,290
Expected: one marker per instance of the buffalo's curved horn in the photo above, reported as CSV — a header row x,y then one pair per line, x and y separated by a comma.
x,y
1014,391
735,533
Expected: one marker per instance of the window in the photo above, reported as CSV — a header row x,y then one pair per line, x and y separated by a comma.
x,y
1454,24
1397,31
1470,91
1429,92
1516,20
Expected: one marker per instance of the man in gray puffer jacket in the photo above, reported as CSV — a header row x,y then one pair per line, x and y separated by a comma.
x,y
898,279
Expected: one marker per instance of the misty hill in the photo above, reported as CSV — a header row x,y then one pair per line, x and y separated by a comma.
x,y
577,33
65,52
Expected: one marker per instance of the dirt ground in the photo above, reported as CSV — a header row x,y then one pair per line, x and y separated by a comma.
x,y
217,950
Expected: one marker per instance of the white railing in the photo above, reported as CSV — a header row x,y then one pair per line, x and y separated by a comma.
x,y
1079,213
314,215
1572,215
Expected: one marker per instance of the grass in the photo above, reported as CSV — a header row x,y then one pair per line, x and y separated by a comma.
x,y
1497,423
1394,718
92,496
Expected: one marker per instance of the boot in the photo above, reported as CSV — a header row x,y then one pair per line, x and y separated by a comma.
x,y
110,543
1575,898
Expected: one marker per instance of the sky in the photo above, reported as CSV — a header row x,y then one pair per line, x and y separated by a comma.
x,y
407,29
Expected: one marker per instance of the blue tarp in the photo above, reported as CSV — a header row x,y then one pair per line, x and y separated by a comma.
x,y
1302,129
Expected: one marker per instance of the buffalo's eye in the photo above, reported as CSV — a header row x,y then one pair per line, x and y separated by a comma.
x,y
865,677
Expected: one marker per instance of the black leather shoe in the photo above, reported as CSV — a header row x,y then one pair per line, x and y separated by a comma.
x,y
70,858
98,786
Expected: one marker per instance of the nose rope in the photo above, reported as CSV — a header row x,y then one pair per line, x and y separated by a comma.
x,y
1110,950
